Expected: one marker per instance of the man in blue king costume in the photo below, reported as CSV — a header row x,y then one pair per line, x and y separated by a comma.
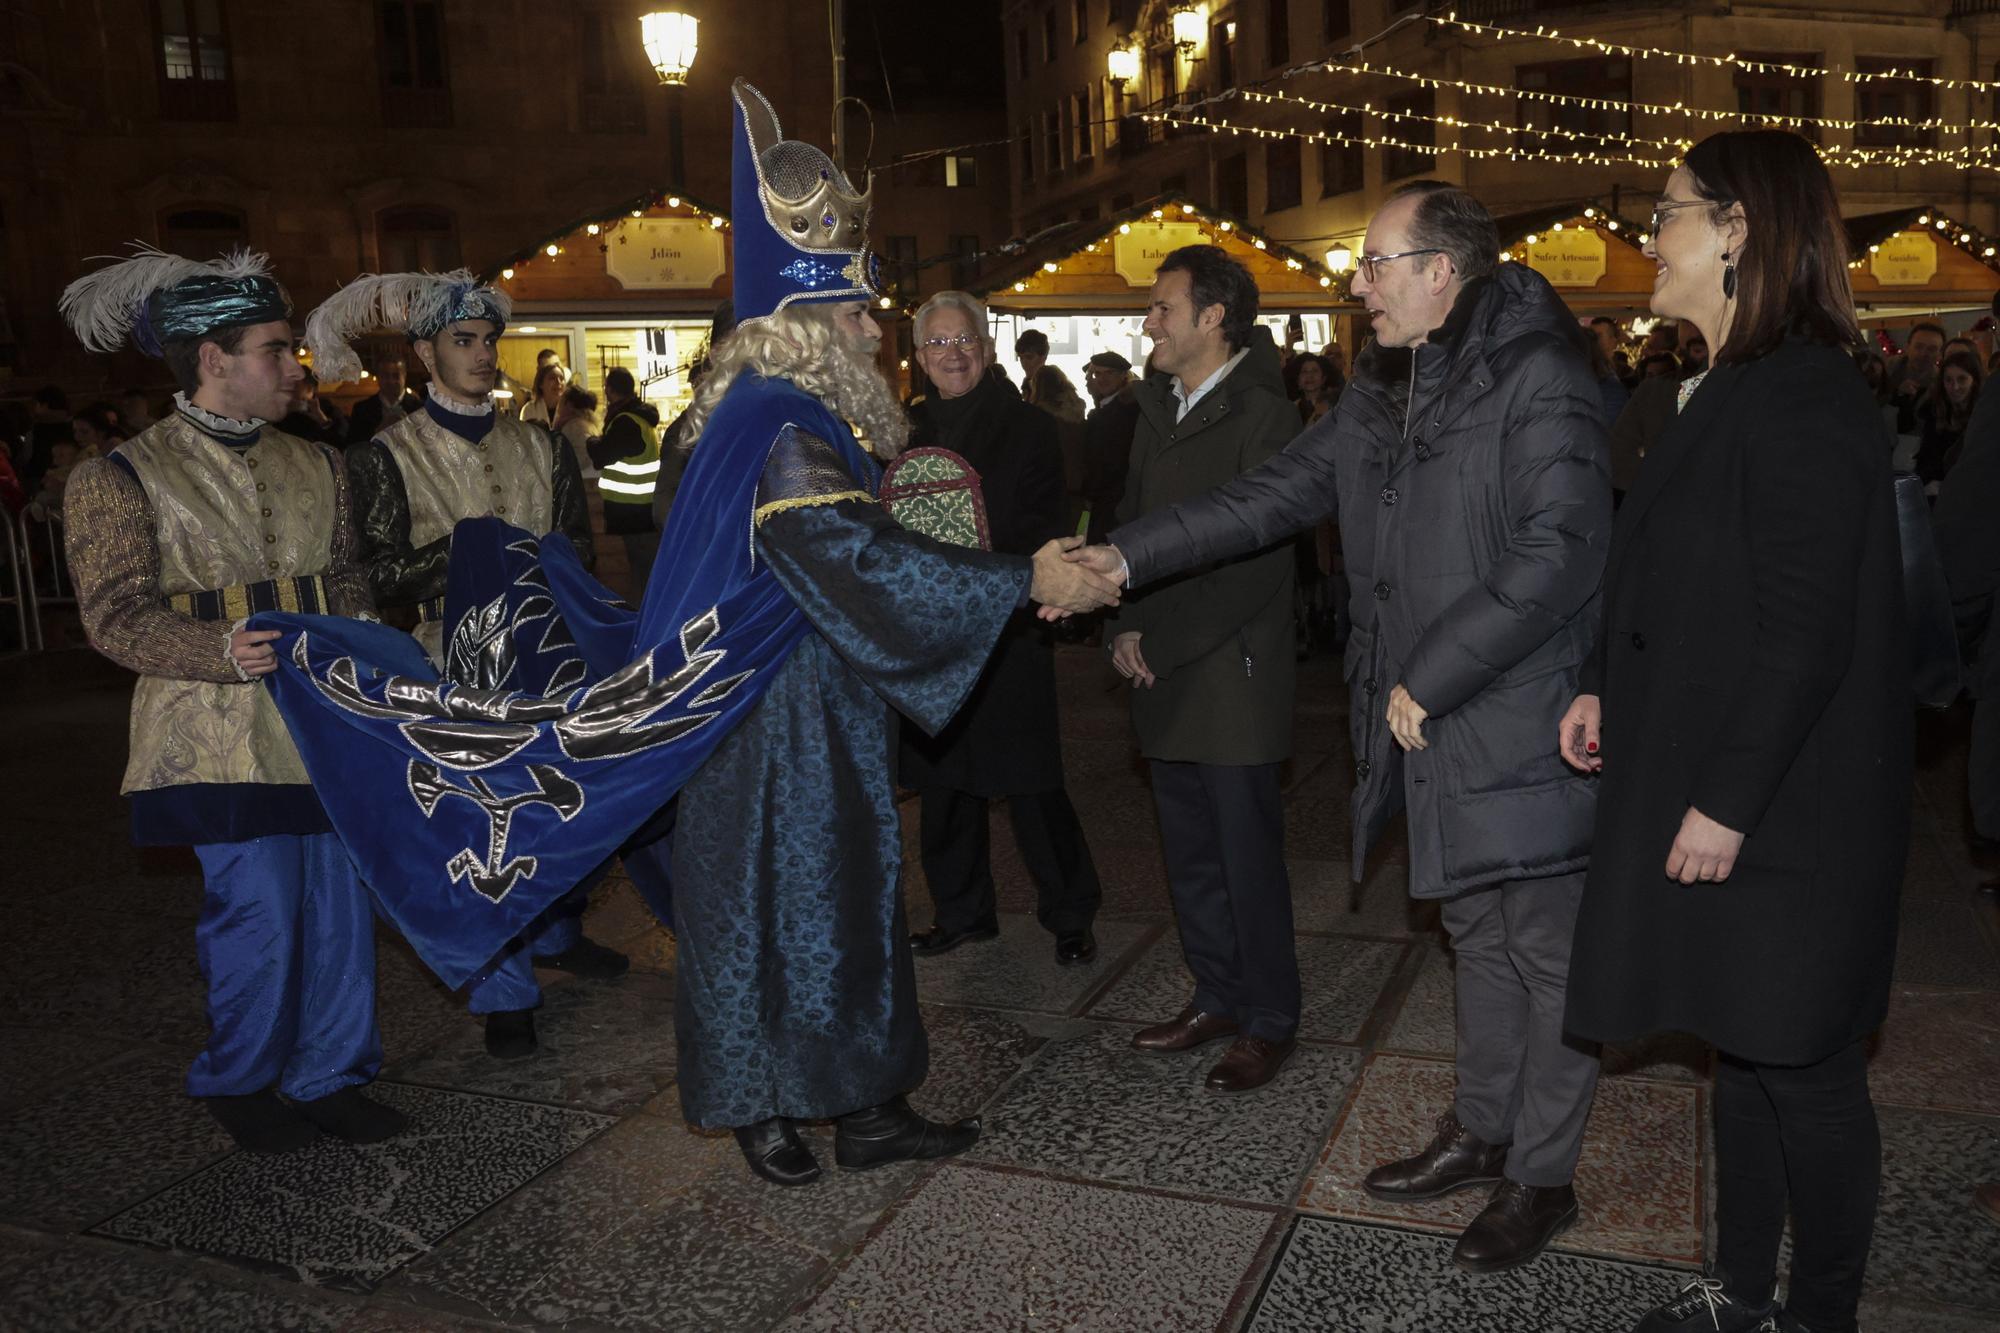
x,y
789,614
176,538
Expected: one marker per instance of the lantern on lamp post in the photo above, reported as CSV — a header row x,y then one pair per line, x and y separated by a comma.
x,y
1189,27
670,39
1339,259
1121,66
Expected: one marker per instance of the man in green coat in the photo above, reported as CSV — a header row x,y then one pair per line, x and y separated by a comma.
x,y
1210,655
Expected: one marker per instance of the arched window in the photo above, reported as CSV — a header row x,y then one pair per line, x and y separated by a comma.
x,y
202,231
416,238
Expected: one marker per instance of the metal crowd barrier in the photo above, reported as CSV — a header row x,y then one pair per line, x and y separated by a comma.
x,y
20,582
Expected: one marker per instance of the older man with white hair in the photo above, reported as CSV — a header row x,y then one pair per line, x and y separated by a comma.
x,y
1005,741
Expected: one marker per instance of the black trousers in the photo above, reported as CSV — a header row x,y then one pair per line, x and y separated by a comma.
x,y
1808,1137
957,843
1222,828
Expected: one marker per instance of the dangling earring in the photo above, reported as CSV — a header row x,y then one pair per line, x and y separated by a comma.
x,y
1728,277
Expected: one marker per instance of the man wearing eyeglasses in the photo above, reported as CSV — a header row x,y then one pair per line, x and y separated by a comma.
x,y
1005,740
1467,465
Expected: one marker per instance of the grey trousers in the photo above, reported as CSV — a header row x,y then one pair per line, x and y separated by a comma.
x,y
1519,1081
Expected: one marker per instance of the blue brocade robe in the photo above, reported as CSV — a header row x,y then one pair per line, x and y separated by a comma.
x,y
788,617
796,993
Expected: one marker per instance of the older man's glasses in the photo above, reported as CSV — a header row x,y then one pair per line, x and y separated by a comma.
x,y
964,342
1371,265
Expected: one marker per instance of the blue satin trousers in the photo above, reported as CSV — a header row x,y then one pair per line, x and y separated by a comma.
x,y
286,941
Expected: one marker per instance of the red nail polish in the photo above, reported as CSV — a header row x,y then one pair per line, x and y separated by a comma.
x,y
1591,748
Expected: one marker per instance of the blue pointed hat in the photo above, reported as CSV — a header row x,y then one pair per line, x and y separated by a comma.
x,y
801,228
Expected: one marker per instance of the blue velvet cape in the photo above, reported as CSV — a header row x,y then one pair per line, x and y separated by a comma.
x,y
472,799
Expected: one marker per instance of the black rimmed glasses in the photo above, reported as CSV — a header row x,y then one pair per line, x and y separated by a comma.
x,y
1371,264
964,342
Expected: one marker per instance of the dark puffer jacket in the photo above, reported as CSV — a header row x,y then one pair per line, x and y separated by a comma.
x,y
1472,484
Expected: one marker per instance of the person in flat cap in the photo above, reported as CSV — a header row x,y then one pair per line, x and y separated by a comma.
x,y
1107,437
454,459
176,538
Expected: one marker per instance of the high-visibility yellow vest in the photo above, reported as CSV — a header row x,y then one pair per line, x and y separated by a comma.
x,y
630,480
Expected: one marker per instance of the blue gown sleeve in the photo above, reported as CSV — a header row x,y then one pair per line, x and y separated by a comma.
x,y
915,618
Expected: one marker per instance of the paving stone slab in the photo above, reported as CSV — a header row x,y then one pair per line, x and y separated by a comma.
x,y
1370,1279
1939,1049
1639,1179
1931,1244
348,1216
1093,1106
74,1289
95,1145
978,1250
604,1045
1340,982
1019,969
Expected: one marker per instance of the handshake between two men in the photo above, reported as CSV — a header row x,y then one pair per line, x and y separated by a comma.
x,y
1073,579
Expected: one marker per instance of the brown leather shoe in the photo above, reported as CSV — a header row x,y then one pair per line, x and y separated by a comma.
x,y
1184,1031
1455,1159
1250,1062
1987,1197
1515,1226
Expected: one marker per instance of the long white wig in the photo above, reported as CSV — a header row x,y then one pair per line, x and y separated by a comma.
x,y
801,343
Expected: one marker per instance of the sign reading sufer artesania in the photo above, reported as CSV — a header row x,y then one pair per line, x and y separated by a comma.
x,y
1572,257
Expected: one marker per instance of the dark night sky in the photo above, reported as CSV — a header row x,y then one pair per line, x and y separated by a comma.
x,y
933,51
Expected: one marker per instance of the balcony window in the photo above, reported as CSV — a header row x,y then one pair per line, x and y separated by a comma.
x,y
194,72
611,85
416,238
416,91
1417,160
1278,33
1232,186
1606,78
1335,22
1340,164
1773,93
1281,174
1894,99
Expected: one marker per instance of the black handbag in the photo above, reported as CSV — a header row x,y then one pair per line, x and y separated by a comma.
x,y
1935,671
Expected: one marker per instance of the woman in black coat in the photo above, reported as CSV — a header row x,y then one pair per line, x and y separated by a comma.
x,y
1749,710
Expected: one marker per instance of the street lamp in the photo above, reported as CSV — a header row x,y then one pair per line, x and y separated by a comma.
x,y
1340,259
669,38
1122,64
1189,28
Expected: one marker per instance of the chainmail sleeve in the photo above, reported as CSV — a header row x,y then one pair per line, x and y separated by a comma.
x,y
570,512
114,556
398,573
346,580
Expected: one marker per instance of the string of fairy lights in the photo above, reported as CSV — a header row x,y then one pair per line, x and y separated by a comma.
x,y
1732,62
1214,226
603,227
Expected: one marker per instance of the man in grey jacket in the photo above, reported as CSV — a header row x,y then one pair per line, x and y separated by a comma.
x,y
1468,468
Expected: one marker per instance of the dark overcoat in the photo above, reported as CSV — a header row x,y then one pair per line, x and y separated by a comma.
x,y
1753,664
1219,637
1005,739
1475,512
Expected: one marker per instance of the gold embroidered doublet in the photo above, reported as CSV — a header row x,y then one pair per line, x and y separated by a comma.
x,y
508,475
223,518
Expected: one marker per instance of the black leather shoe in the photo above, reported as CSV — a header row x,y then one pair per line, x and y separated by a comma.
x,y
510,1034
1075,946
1455,1160
892,1132
1250,1062
1515,1226
348,1115
938,940
587,959
1705,1305
262,1122
775,1152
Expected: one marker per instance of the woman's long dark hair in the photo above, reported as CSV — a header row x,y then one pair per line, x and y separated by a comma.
x,y
1791,275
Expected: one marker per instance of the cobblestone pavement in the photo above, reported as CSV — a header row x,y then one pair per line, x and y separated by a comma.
x,y
1108,1192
